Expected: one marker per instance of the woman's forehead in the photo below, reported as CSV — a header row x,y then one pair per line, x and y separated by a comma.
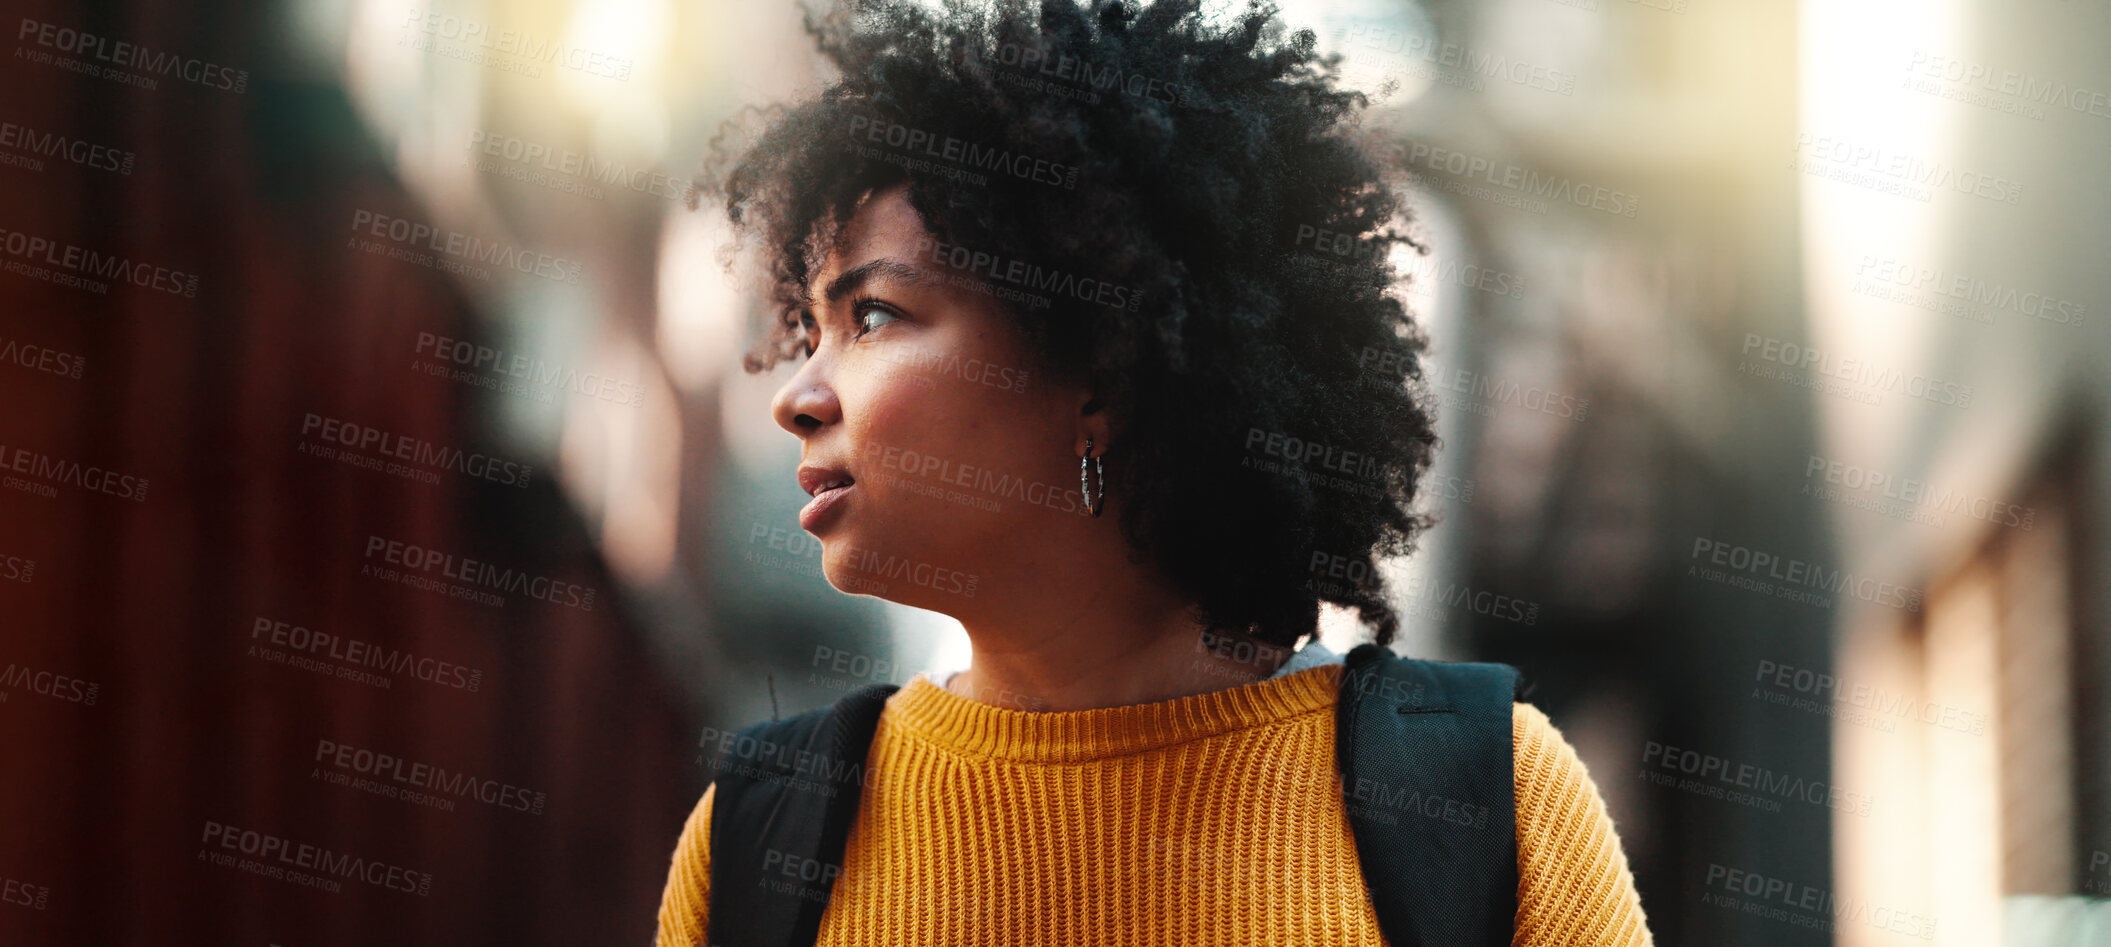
x,y
885,224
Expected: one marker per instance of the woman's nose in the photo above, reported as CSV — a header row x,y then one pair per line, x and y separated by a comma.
x,y
807,401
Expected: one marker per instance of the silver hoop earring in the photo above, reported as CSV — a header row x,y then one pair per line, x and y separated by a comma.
x,y
1082,485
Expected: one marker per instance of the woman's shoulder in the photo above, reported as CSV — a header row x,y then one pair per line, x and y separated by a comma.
x,y
1574,884
1532,730
685,900
1552,781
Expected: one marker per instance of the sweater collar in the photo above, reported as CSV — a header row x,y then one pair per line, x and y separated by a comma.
x,y
970,727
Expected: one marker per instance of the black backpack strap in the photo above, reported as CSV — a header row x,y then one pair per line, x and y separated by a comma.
x,y
787,793
1427,777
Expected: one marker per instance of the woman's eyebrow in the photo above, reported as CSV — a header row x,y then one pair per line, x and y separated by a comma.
x,y
856,277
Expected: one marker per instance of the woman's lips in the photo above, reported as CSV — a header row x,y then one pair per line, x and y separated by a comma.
x,y
820,509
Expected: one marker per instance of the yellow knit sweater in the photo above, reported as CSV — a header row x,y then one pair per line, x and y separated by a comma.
x,y
1209,819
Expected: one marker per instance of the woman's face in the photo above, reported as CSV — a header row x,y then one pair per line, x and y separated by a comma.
x,y
963,459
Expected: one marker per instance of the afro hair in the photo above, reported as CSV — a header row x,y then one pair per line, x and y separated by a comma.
x,y
1262,371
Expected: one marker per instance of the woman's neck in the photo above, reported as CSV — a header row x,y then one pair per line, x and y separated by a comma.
x,y
1093,667
1088,626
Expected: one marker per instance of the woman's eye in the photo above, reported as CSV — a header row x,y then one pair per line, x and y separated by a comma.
x,y
867,313
807,330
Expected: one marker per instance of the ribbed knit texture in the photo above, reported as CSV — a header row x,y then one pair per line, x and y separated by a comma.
x,y
1208,819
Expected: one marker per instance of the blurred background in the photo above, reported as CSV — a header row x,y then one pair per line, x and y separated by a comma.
x,y
1771,361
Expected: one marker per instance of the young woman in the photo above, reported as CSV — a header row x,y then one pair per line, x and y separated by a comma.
x,y
1101,353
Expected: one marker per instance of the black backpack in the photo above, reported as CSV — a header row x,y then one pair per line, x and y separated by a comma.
x,y
1426,775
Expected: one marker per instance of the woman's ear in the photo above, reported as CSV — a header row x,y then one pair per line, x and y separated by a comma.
x,y
1094,421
